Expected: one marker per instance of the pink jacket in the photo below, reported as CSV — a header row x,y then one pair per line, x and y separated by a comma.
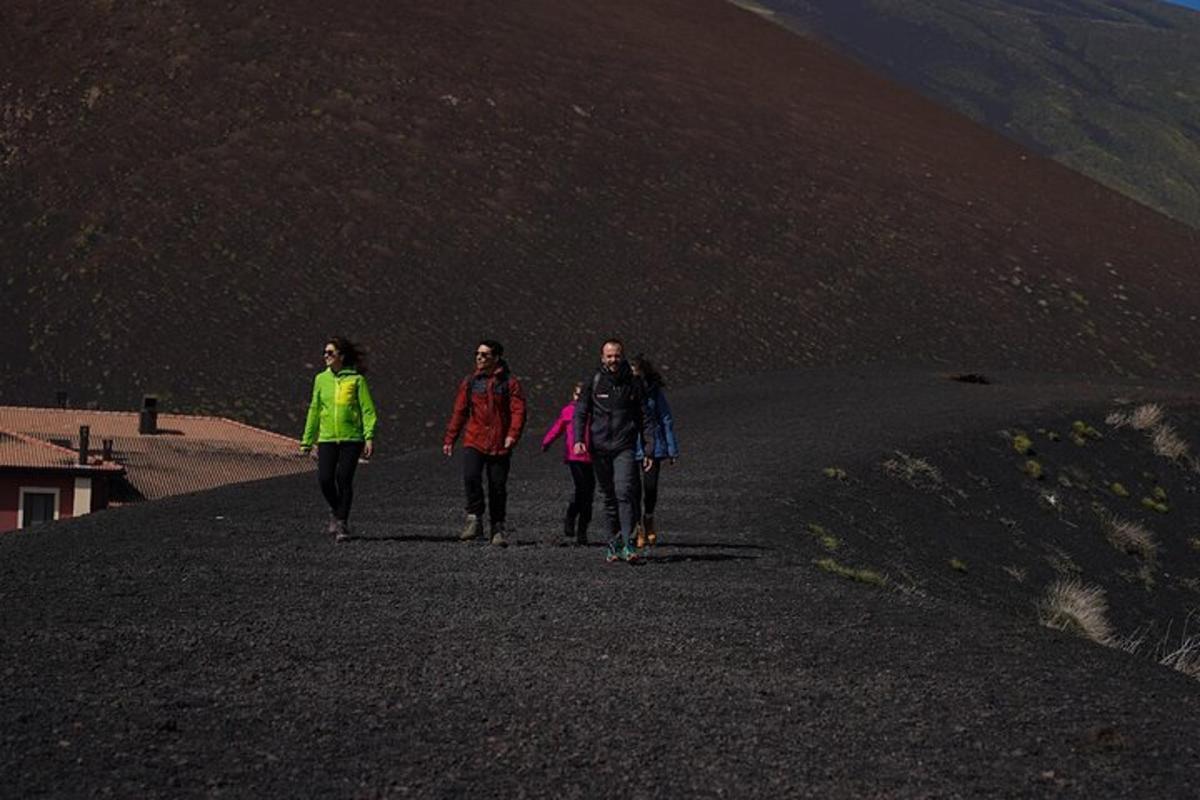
x,y
563,423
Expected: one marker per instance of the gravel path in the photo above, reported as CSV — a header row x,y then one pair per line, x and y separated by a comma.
x,y
221,645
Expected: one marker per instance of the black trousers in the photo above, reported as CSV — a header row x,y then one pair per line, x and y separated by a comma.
x,y
650,488
617,476
336,462
475,464
580,507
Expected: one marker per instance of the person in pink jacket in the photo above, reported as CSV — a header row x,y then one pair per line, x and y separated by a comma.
x,y
579,509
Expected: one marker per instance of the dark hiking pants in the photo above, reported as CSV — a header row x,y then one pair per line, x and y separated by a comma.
x,y
475,464
336,462
617,474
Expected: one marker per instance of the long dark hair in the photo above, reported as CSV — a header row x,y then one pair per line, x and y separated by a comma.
x,y
650,375
353,355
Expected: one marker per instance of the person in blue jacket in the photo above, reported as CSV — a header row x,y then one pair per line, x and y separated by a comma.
x,y
665,445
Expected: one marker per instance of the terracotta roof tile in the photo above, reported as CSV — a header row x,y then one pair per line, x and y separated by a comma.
x,y
189,454
20,451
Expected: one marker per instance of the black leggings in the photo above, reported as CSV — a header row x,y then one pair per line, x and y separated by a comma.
x,y
336,462
650,488
584,478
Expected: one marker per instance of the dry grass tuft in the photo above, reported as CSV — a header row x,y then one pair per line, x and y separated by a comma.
x,y
1071,606
1131,537
916,472
1146,416
1168,444
1117,419
1185,658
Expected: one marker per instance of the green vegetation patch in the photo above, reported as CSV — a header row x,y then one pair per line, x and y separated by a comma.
x,y
827,539
868,576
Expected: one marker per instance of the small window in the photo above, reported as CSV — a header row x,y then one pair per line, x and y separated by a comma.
x,y
38,506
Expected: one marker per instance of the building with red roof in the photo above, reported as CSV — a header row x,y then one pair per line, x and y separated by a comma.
x,y
42,482
49,461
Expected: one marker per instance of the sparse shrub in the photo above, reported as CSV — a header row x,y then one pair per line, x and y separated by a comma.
x,y
1118,489
827,540
1168,444
867,576
1159,494
837,473
1151,504
1146,416
958,565
1033,469
916,472
1081,432
1083,610
1022,444
1194,542
1018,574
1131,537
1117,419
1184,657
1053,436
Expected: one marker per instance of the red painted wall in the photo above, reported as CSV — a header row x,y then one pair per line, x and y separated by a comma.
x,y
10,495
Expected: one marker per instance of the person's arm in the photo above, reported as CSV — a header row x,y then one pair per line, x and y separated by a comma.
x,y
583,415
369,417
556,429
666,426
649,428
516,413
458,416
313,419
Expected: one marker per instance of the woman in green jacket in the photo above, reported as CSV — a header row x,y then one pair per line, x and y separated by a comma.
x,y
341,421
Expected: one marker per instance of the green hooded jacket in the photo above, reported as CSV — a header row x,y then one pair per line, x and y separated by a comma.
x,y
341,407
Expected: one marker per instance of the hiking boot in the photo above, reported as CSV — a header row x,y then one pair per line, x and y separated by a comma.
x,y
473,528
651,532
612,554
342,531
498,534
639,536
630,555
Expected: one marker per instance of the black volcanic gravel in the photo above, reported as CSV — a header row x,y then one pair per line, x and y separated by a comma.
x,y
221,645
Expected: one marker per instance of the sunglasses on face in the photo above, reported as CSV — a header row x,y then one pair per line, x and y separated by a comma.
x,y
330,353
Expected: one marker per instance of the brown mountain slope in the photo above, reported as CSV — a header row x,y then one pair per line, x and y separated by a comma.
x,y
195,197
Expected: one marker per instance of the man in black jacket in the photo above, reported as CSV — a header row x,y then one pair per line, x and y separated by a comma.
x,y
614,409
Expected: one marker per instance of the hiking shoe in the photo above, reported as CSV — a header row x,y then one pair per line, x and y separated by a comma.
x,y
498,534
473,528
630,555
612,554
342,531
651,532
639,536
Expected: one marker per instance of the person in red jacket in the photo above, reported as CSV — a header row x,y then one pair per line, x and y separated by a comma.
x,y
490,404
